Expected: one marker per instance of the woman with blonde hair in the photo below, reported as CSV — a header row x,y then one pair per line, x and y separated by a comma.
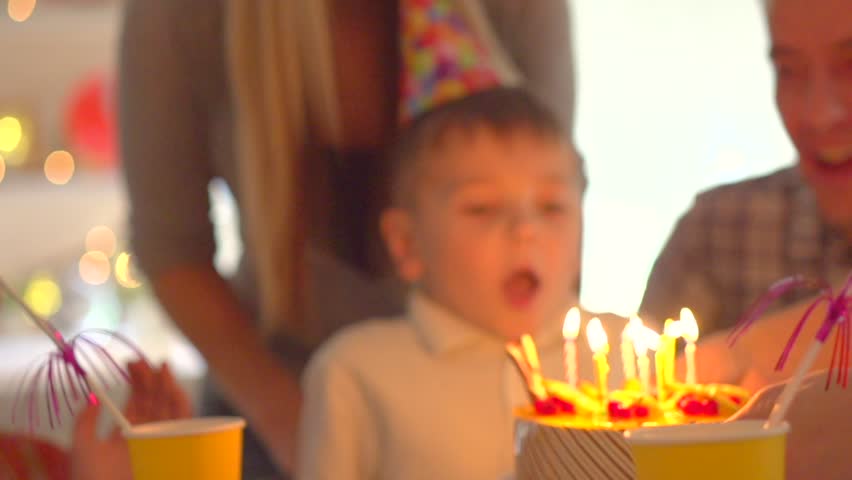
x,y
292,103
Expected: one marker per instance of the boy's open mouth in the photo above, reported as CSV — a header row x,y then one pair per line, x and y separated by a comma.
x,y
521,287
834,160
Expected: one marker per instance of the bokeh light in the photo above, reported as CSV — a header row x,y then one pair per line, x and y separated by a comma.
x,y
2,168
59,167
20,10
101,239
20,155
43,295
11,133
124,271
94,268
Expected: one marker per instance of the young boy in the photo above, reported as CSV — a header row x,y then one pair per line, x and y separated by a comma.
x,y
485,227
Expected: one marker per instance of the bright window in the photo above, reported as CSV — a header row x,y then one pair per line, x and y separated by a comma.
x,y
674,97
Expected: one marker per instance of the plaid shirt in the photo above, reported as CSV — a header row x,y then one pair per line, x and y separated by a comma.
x,y
737,240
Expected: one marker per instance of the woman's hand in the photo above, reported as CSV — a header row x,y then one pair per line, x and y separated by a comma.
x,y
154,396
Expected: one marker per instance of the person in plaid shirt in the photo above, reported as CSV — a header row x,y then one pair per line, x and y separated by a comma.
x,y
738,239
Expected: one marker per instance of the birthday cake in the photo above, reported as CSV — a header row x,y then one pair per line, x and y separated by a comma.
x,y
575,429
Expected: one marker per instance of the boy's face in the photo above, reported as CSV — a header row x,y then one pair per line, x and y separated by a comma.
x,y
812,53
494,232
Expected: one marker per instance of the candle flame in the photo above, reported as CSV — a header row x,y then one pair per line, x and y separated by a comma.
x,y
596,335
688,325
672,329
633,327
646,339
571,326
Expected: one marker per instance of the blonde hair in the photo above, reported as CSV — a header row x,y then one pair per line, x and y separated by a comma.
x,y
281,67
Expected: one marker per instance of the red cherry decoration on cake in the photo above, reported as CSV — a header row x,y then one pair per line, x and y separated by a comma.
x,y
711,407
546,407
553,406
691,406
617,410
564,406
641,411
694,406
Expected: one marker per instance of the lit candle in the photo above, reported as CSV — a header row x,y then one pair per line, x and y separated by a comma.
x,y
628,357
514,351
689,331
645,339
660,367
596,335
664,358
671,332
526,358
570,330
534,365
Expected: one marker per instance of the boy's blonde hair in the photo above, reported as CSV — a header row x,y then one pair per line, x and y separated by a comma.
x,y
502,110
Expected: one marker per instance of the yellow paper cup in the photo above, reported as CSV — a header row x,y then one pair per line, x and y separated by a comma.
x,y
204,448
741,450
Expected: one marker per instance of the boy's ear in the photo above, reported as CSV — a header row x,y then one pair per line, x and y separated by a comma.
x,y
398,232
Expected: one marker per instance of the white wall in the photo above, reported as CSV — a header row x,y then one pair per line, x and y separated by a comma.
x,y
674,96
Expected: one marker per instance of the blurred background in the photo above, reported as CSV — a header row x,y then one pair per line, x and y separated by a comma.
x,y
674,96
